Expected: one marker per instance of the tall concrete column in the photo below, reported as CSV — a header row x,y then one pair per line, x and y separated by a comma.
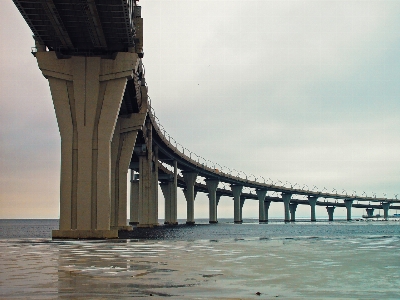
x,y
174,207
134,205
237,191
348,203
312,200
330,210
87,93
385,206
266,208
370,212
212,185
242,200
261,208
190,180
286,200
122,144
167,188
148,181
292,208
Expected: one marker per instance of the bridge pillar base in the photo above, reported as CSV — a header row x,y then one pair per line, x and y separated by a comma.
x,y
124,228
133,223
262,221
213,222
238,222
147,225
190,222
85,234
170,223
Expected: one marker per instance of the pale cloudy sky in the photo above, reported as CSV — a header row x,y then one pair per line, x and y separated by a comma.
x,y
299,91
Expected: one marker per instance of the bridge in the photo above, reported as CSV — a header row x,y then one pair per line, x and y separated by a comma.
x,y
91,54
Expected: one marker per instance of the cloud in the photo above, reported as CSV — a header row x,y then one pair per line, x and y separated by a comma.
x,y
299,91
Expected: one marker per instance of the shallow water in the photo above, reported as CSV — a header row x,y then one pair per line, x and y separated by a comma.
x,y
342,260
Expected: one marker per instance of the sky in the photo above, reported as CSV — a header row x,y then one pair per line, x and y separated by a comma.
x,y
300,92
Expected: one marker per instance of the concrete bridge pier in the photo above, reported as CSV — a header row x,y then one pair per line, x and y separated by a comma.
x,y
169,187
190,180
286,200
370,212
348,204
134,199
148,181
237,191
385,206
242,200
312,200
122,145
212,185
266,208
330,210
87,93
292,208
261,208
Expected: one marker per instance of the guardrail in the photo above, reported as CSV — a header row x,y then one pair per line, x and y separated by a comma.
x,y
251,181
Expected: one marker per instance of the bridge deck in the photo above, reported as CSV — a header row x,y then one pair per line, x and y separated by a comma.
x,y
82,26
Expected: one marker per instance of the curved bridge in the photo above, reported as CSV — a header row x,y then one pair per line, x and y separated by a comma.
x,y
194,174
91,54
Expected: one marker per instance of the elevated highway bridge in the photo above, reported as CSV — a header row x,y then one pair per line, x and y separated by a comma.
x,y
91,54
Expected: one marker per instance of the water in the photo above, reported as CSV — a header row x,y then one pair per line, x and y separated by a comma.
x,y
323,260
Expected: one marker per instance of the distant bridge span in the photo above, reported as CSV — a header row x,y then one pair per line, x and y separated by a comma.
x,y
91,53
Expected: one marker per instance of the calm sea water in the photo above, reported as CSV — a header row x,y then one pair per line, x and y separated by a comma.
x,y
302,260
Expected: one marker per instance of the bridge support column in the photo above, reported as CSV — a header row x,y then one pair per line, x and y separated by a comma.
x,y
148,181
169,190
266,208
370,212
348,204
292,208
134,205
87,93
312,200
261,208
122,145
237,191
330,210
385,206
212,186
190,180
286,200
242,200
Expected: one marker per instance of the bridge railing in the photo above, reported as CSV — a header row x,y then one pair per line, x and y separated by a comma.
x,y
251,181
